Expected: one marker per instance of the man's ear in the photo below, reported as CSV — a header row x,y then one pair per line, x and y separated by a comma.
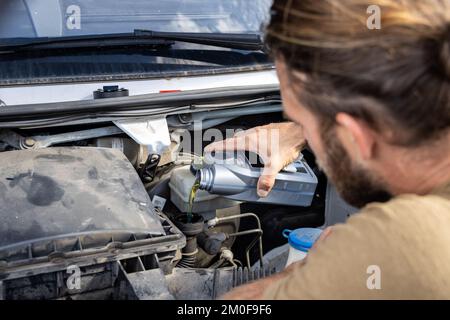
x,y
356,136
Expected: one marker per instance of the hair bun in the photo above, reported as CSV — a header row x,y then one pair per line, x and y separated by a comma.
x,y
445,52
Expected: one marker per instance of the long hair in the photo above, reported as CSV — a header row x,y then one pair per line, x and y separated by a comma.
x,y
396,78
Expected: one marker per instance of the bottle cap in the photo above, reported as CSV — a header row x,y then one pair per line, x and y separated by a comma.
x,y
302,239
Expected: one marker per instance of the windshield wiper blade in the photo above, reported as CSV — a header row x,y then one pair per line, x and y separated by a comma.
x,y
239,41
155,39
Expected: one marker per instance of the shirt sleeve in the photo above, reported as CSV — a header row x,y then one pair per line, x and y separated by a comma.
x,y
344,265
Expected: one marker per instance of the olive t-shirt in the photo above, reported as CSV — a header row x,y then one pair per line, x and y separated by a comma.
x,y
394,250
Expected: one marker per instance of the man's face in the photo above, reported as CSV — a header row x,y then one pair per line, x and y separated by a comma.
x,y
356,184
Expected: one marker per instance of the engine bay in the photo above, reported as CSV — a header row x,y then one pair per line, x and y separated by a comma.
x,y
93,197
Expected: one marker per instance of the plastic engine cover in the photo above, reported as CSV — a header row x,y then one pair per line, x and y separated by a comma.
x,y
56,192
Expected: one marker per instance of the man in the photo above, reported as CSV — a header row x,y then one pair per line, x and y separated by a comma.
x,y
374,106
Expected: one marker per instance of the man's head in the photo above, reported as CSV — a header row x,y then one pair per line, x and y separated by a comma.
x,y
366,99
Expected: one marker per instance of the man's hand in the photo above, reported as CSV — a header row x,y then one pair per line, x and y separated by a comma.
x,y
277,144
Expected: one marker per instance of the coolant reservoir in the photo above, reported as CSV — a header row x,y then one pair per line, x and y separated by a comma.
x,y
181,182
300,242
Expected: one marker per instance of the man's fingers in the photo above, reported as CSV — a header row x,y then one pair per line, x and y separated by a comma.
x,y
224,145
266,181
213,146
244,132
240,142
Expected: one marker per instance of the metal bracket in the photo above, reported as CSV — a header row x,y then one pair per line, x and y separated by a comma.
x,y
38,142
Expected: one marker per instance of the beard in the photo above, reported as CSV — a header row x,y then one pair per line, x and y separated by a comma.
x,y
356,185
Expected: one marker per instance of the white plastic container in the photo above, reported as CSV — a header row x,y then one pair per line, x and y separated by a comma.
x,y
300,241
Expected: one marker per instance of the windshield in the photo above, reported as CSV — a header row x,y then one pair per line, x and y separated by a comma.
x,y
66,18
55,18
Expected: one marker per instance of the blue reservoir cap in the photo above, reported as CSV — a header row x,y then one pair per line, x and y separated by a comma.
x,y
302,239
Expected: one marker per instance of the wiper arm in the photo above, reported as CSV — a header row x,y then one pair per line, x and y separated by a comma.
x,y
84,41
155,39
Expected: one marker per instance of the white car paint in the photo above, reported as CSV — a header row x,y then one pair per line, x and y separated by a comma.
x,y
32,94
